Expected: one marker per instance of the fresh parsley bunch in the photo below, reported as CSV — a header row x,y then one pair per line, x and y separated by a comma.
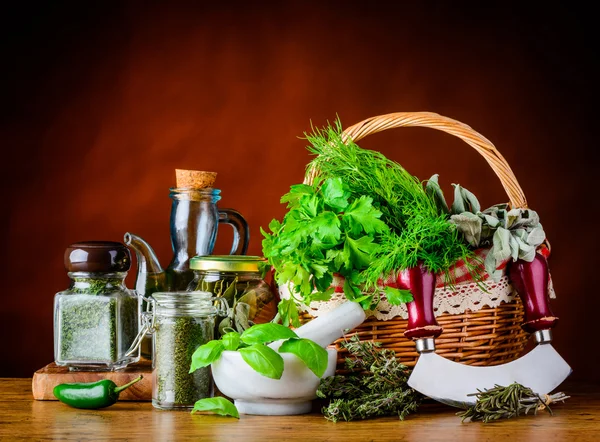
x,y
325,231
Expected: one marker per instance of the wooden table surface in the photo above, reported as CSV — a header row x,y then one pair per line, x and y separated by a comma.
x,y
22,418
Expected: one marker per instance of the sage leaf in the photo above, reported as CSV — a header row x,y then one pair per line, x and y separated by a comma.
x,y
206,354
526,251
312,354
513,217
433,189
536,236
514,247
218,405
264,360
242,316
231,341
464,201
490,266
397,296
469,225
269,332
501,250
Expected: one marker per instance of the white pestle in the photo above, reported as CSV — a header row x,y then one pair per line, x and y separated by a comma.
x,y
325,329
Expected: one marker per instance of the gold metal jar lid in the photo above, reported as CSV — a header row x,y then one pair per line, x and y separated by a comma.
x,y
228,263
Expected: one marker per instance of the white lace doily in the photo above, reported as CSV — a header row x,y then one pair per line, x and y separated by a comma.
x,y
463,297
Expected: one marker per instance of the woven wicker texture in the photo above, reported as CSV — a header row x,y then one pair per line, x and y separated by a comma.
x,y
490,336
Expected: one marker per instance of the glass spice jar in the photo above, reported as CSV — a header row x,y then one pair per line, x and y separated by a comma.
x,y
240,279
96,319
180,322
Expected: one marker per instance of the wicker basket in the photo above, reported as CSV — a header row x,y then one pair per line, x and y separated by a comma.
x,y
489,336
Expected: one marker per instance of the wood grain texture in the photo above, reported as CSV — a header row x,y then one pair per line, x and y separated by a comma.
x,y
45,379
22,418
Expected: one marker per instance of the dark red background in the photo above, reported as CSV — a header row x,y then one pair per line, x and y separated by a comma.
x,y
102,103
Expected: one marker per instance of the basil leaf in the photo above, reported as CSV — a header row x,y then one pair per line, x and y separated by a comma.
x,y
231,341
312,354
397,296
206,354
269,332
218,405
263,360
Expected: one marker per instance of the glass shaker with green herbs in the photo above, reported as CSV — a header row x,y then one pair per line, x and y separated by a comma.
x,y
97,318
241,281
180,323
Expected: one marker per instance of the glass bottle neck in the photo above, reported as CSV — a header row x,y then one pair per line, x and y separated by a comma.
x,y
194,220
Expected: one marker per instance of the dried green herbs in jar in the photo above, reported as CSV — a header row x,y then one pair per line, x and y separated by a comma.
x,y
97,318
183,321
240,280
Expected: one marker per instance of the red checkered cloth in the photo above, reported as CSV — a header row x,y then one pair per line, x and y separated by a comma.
x,y
457,274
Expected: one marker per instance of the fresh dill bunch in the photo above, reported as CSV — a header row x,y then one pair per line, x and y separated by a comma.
x,y
377,385
419,230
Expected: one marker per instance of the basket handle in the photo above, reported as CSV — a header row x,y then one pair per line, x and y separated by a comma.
x,y
434,121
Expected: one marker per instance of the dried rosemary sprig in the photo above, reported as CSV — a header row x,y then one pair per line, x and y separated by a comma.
x,y
376,387
508,402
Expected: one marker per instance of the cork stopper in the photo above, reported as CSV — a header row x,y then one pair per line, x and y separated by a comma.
x,y
195,179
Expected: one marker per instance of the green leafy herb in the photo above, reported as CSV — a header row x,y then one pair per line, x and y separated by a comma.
x,y
269,332
508,402
377,385
263,360
311,353
218,405
231,341
397,296
206,354
363,218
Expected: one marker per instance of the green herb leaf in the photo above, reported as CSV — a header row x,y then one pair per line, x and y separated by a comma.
x,y
263,360
360,250
362,216
335,193
289,313
297,191
269,332
206,354
397,296
218,405
312,354
231,341
433,189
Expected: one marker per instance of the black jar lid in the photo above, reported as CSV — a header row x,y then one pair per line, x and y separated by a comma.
x,y
97,257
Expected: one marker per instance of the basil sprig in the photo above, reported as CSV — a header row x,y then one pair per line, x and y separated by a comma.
x,y
252,346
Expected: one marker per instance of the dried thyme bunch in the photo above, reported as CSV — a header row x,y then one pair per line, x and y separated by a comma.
x,y
376,386
508,402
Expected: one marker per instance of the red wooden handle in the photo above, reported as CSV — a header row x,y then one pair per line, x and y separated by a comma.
x,y
530,279
421,320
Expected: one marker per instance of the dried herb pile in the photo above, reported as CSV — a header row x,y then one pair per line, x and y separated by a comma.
x,y
94,327
508,402
376,387
176,339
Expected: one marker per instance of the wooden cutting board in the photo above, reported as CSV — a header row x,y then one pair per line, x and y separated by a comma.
x,y
45,379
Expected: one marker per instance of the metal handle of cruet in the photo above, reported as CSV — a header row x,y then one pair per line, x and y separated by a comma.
x,y
146,326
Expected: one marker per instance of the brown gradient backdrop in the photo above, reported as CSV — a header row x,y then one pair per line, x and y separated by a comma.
x,y
103,103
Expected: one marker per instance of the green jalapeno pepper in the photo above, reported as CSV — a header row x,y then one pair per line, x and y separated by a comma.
x,y
91,395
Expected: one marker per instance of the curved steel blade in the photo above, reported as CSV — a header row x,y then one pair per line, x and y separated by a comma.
x,y
542,370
